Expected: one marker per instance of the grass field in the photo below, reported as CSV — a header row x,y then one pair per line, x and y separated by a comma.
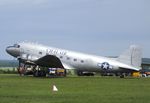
x,y
15,89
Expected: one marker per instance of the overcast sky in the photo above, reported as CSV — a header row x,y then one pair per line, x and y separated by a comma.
x,y
100,27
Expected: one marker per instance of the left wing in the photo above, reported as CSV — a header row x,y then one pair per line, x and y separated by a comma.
x,y
49,61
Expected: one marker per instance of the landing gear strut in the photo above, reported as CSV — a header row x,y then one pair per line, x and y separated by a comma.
x,y
21,69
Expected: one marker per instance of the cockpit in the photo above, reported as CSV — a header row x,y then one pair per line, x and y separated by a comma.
x,y
15,46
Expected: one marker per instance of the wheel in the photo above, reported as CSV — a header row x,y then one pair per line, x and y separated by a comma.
x,y
122,76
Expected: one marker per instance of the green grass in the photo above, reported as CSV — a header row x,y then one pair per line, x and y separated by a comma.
x,y
15,89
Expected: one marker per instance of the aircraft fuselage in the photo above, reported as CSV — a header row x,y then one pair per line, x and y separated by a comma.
x,y
30,52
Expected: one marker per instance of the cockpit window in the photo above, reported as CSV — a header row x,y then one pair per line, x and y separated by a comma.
x,y
16,45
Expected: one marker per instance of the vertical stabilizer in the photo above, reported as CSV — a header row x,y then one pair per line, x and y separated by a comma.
x,y
132,56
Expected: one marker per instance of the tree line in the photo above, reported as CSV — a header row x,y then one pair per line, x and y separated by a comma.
x,y
8,63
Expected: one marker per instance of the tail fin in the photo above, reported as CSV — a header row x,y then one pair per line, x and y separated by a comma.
x,y
132,56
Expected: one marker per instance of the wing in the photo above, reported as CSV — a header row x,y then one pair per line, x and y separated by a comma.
x,y
49,61
66,66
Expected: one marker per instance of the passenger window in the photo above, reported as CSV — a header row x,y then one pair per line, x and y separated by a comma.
x,y
75,59
18,46
61,57
82,61
68,58
40,53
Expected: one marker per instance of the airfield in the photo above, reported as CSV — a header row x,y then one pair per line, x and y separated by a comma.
x,y
16,89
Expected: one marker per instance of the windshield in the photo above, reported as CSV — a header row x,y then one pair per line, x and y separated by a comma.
x,y
16,45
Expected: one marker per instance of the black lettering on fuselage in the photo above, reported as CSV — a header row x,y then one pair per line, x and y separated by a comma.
x,y
55,52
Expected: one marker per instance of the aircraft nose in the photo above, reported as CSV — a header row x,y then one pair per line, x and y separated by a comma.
x,y
8,50
12,51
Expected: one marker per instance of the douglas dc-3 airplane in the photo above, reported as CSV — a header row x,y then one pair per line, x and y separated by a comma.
x,y
40,55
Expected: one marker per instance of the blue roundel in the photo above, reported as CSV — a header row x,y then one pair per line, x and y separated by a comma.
x,y
105,66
